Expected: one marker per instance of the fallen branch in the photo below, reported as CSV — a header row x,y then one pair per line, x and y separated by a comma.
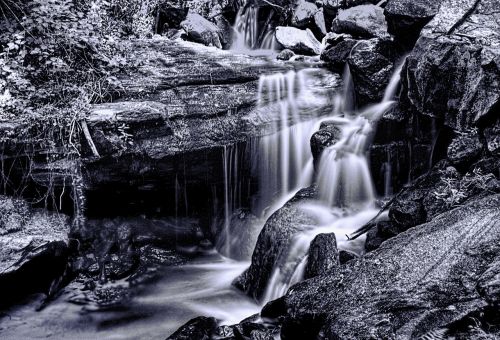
x,y
88,137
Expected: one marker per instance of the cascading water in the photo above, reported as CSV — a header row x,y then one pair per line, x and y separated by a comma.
x,y
247,33
345,191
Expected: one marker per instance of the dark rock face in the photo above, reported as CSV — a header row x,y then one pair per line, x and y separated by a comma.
x,y
33,250
327,135
413,284
323,256
336,56
464,149
201,328
274,239
452,73
492,137
371,63
364,21
406,18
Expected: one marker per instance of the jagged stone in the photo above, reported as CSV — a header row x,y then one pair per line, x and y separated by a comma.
x,y
364,21
273,239
371,63
464,149
299,41
336,56
328,134
201,328
201,30
414,283
406,18
323,256
452,73
33,250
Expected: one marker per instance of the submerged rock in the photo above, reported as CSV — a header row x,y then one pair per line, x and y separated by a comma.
x,y
273,240
201,30
417,282
33,250
299,41
364,21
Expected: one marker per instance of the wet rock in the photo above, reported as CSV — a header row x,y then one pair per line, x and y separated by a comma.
x,y
415,282
273,240
319,23
364,21
225,31
201,30
451,73
33,250
334,5
331,39
323,256
327,135
201,328
390,165
346,256
243,230
286,54
304,14
492,137
336,56
489,284
464,149
406,18
373,239
371,63
299,41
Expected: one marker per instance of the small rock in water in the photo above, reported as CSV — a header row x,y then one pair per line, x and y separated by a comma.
x,y
286,54
299,41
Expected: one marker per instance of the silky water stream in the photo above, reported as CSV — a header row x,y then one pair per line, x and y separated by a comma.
x,y
283,164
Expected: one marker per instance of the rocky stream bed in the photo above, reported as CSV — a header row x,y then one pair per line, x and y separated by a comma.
x,y
270,170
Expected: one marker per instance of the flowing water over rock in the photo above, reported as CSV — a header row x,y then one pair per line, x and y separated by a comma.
x,y
249,37
346,193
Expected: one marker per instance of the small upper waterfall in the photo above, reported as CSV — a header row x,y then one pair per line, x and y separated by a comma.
x,y
248,33
346,195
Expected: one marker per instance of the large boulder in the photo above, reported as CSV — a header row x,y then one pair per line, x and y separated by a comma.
x,y
33,250
273,241
452,73
464,149
299,41
371,63
364,21
406,18
417,282
201,30
333,6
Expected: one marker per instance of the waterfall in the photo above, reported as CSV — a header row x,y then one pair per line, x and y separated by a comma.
x,y
247,32
282,161
346,195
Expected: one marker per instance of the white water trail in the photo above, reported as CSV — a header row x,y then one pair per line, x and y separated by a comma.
x,y
247,33
345,190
